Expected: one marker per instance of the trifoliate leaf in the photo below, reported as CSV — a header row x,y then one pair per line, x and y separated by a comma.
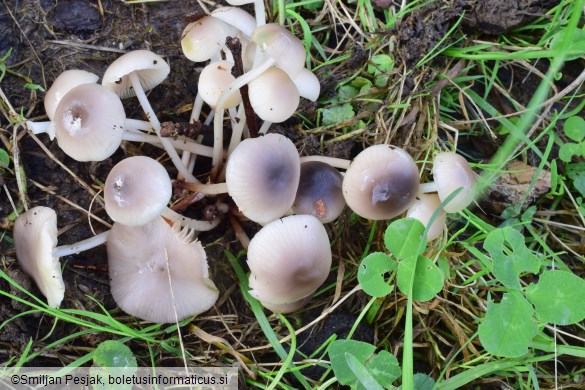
x,y
427,280
403,237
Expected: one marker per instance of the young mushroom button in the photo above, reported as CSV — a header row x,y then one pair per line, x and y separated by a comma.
x,y
381,182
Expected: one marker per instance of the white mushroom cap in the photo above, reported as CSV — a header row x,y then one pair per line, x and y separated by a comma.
x,y
289,259
282,46
137,258
273,95
262,176
137,190
381,182
89,122
63,84
307,84
215,78
423,209
204,38
237,18
450,172
35,238
150,68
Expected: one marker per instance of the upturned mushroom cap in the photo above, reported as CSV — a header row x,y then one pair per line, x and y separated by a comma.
x,y
139,278
262,176
450,172
281,45
35,238
214,79
423,209
319,193
150,68
273,95
204,38
381,182
137,190
64,83
289,259
89,122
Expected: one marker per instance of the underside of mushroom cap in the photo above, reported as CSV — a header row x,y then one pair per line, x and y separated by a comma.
x,y
289,259
150,68
381,182
35,238
139,259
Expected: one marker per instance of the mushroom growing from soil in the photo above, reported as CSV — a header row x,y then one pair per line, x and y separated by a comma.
x,y
451,171
35,238
159,273
262,176
423,209
289,259
381,182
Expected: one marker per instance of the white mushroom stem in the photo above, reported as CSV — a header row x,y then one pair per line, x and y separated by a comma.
x,y
156,125
264,128
207,189
66,250
237,129
49,126
189,146
189,222
339,163
197,106
426,188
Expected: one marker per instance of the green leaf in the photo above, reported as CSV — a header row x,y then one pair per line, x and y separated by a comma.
x,y
371,274
361,83
428,278
508,267
337,355
403,237
558,297
384,367
112,353
423,382
337,114
508,326
379,64
346,92
568,150
574,128
576,47
363,376
579,183
4,158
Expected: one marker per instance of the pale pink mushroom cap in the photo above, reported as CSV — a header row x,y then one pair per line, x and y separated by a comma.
x,y
64,83
273,95
139,277
423,209
289,259
237,18
215,78
262,176
450,172
89,122
307,84
203,39
35,238
137,190
381,182
281,45
150,68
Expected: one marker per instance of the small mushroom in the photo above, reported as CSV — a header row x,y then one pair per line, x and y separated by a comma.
x,y
423,209
319,193
262,176
451,171
381,182
289,259
214,80
35,239
159,273
64,83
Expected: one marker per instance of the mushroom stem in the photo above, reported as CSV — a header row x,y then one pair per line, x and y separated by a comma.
x,y
66,250
237,129
264,128
189,222
260,12
197,106
49,126
207,189
189,146
426,188
156,125
339,163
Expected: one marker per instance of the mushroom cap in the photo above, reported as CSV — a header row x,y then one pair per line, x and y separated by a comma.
x,y
215,78
381,182
35,238
319,191
423,209
450,172
289,259
307,84
273,95
237,18
150,68
89,122
63,84
203,39
137,190
262,176
281,45
140,283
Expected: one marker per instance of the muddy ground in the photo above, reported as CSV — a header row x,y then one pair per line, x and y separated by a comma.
x,y
47,37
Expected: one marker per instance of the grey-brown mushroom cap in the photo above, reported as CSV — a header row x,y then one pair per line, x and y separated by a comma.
x,y
89,122
150,68
450,172
64,83
137,190
35,238
139,280
381,182
262,176
289,259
